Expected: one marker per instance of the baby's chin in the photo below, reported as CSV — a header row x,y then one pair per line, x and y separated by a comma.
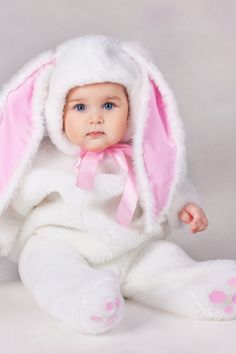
x,y
96,146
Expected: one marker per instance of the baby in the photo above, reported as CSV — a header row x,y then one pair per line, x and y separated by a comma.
x,y
95,118
93,182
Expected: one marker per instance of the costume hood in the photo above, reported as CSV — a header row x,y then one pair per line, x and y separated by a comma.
x,y
31,106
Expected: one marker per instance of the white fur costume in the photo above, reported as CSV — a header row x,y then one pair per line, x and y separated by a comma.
x,y
73,255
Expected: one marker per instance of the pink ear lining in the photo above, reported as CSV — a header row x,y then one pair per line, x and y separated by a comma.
x,y
16,128
159,150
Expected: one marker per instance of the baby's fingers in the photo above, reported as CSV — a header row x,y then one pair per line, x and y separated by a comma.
x,y
199,225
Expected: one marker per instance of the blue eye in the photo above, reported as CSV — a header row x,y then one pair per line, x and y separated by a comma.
x,y
79,107
108,105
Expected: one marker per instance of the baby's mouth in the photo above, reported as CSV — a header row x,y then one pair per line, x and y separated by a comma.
x,y
95,134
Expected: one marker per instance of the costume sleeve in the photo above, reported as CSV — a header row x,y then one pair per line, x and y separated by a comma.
x,y
28,195
10,224
186,193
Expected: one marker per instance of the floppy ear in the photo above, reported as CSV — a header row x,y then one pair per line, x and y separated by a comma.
x,y
159,153
159,149
22,122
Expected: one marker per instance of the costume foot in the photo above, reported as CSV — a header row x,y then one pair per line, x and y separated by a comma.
x,y
102,307
109,313
221,301
225,299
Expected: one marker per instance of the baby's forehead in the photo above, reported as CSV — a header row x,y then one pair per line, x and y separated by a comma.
x,y
99,90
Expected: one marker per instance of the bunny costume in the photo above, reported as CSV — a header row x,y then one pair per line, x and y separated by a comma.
x,y
87,229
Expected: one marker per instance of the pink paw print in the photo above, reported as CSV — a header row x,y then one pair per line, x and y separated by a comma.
x,y
226,300
110,313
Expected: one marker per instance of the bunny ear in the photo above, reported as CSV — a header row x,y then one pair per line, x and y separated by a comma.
x,y
162,151
163,148
159,152
21,123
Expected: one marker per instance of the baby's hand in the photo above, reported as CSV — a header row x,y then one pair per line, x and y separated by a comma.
x,y
193,215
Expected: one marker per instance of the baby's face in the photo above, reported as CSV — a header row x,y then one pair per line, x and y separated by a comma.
x,y
95,115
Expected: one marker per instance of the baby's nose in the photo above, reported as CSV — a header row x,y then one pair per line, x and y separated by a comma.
x,y
97,118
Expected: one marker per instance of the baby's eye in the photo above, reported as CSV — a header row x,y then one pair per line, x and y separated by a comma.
x,y
108,105
79,107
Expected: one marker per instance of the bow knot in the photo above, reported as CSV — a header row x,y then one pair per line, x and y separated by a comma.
x,y
87,164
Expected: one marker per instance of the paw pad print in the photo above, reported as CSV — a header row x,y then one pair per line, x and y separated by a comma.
x,y
225,299
109,312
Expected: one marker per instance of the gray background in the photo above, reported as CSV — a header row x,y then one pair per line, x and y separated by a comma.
x,y
193,43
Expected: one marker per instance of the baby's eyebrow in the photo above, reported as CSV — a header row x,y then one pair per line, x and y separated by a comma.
x,y
113,98
78,99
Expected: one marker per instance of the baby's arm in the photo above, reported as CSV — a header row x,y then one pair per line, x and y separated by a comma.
x,y
195,216
185,209
10,224
28,195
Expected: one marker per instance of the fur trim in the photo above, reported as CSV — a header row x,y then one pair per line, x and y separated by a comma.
x,y
102,60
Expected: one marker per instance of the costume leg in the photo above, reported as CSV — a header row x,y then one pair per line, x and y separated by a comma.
x,y
67,288
165,277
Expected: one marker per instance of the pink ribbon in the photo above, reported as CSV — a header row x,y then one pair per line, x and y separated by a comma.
x,y
87,164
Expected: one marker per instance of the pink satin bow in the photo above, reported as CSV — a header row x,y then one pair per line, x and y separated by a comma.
x,y
87,164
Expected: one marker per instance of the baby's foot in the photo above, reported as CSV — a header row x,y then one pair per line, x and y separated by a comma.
x,y
102,307
221,301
